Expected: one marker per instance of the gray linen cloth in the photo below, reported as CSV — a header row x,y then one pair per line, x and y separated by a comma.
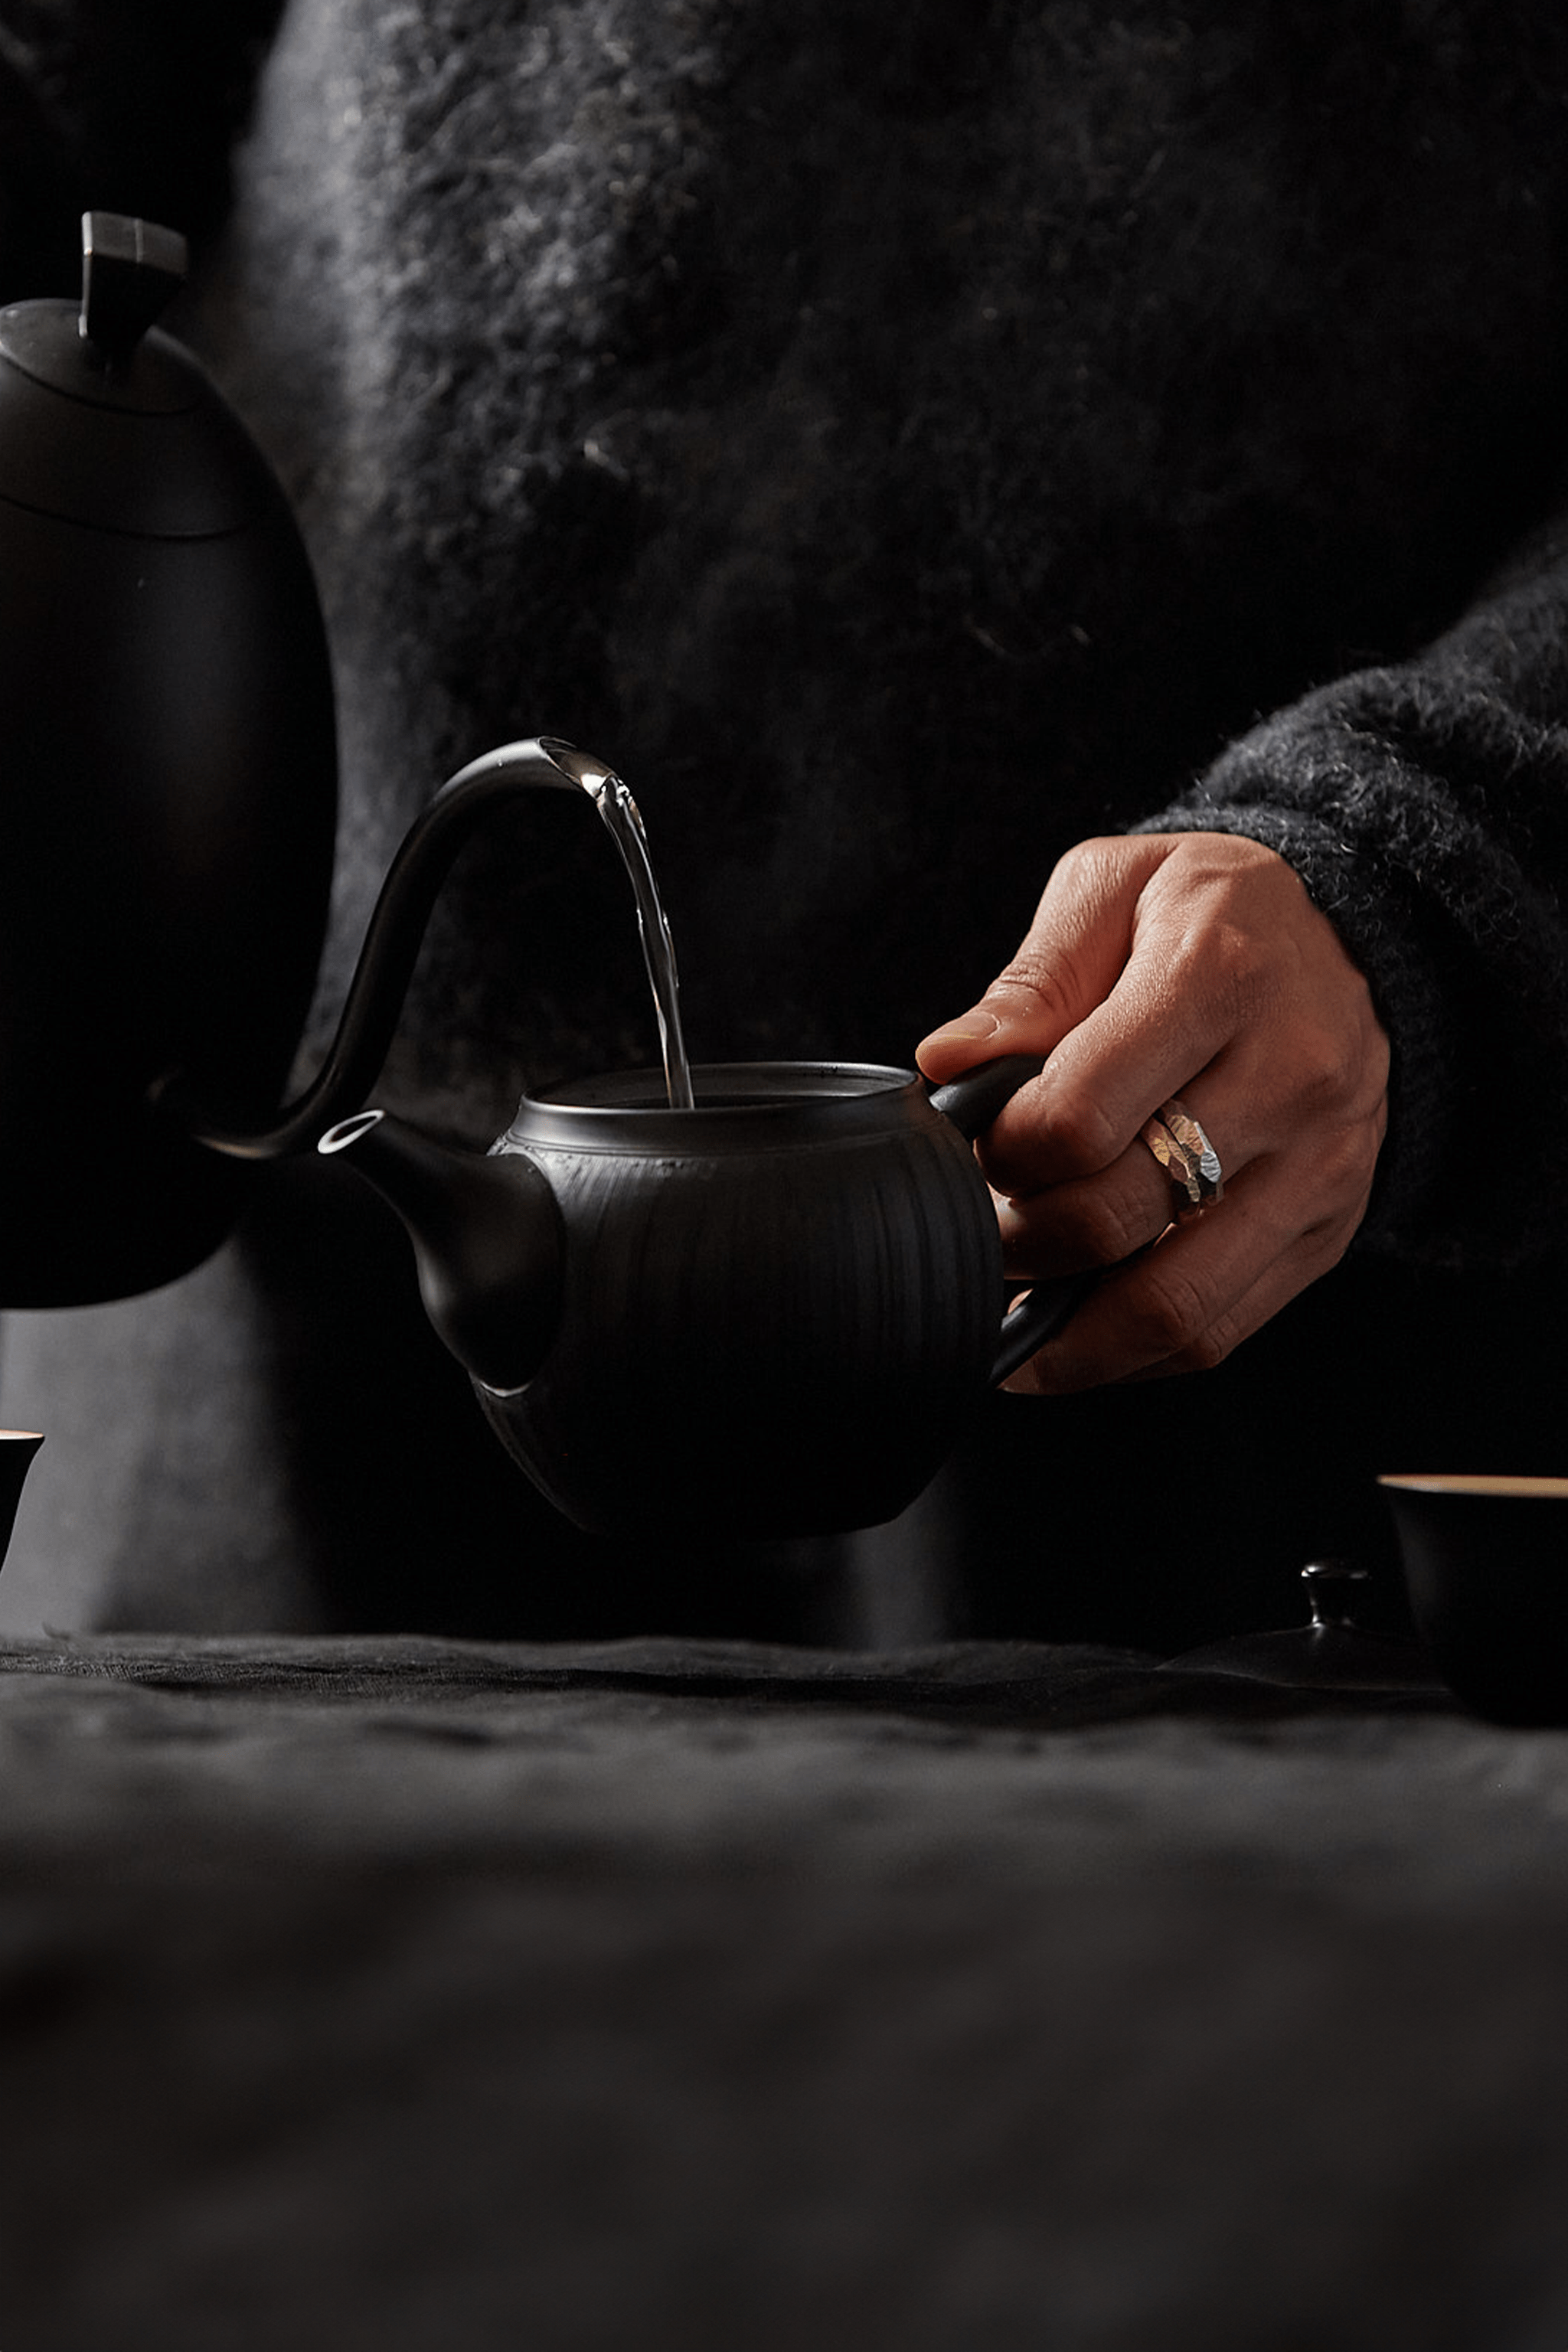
x,y
406,1994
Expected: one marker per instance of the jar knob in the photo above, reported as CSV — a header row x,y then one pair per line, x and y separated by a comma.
x,y
1330,1590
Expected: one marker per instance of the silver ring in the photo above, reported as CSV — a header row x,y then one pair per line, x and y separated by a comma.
x,y
1187,1157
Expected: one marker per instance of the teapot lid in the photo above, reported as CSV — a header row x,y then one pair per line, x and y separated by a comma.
x,y
107,421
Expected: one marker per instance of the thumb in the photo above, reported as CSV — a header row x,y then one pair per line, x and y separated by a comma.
x,y
1069,963
980,1035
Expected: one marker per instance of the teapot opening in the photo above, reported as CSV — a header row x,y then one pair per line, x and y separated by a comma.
x,y
730,1086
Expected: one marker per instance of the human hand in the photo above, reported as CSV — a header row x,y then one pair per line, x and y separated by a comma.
x,y
1175,964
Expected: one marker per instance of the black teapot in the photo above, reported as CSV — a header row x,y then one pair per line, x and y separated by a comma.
x,y
769,1313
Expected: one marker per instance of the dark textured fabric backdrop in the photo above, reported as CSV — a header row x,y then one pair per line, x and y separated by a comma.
x,y
904,438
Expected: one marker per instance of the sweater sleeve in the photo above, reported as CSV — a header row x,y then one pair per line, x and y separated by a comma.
x,y
1425,808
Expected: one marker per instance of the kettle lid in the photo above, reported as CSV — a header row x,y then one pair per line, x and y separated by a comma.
x,y
107,421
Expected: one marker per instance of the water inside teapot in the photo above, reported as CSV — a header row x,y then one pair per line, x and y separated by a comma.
x,y
623,821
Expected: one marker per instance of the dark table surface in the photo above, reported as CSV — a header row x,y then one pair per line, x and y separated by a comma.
x,y
409,1993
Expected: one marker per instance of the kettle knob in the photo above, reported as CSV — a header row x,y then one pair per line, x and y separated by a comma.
x,y
132,269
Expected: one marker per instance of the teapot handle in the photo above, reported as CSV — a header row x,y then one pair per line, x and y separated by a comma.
x,y
971,1102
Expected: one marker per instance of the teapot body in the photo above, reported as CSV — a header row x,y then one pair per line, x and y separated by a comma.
x,y
776,1309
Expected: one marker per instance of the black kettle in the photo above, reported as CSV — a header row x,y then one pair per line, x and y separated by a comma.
x,y
167,761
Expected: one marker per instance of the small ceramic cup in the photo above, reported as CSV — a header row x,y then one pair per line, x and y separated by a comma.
x,y
17,1447
1486,1565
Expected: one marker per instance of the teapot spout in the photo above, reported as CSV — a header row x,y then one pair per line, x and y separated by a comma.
x,y
488,1241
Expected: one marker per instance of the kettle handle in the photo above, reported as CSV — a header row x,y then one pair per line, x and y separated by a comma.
x,y
971,1102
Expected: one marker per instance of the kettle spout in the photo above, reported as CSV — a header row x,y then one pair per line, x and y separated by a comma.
x,y
488,1241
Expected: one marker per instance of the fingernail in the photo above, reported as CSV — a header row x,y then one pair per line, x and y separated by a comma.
x,y
968,1030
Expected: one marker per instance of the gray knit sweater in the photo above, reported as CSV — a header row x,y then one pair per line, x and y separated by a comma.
x,y
904,437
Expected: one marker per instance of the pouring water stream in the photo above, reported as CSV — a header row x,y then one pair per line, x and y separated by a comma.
x,y
355,1057
623,821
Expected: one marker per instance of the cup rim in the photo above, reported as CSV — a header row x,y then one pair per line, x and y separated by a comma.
x,y
1518,1485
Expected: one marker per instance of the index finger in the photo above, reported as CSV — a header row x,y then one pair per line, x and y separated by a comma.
x,y
1123,1059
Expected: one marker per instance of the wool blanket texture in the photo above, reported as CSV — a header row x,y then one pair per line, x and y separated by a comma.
x,y
913,438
